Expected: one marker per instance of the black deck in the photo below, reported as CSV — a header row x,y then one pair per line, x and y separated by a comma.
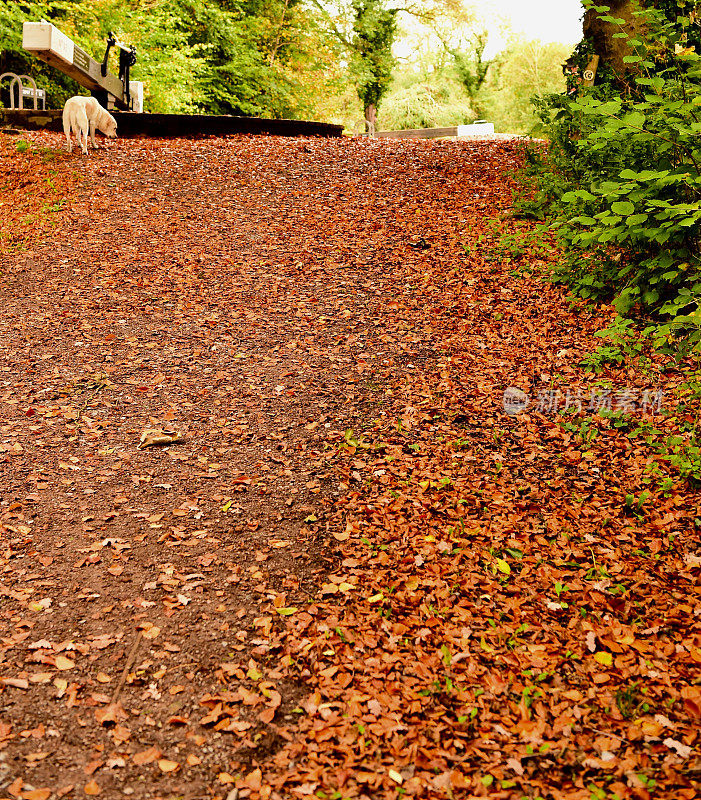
x,y
169,125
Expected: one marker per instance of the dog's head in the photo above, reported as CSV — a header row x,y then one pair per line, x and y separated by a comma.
x,y
110,128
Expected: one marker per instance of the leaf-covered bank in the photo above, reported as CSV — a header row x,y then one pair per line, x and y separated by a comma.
x,y
357,575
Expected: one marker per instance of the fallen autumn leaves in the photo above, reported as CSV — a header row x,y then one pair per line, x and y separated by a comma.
x,y
498,621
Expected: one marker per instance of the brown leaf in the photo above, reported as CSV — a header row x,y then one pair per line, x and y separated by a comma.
x,y
146,756
36,794
110,715
17,683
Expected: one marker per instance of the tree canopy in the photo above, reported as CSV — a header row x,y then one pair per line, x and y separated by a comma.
x,y
221,56
337,60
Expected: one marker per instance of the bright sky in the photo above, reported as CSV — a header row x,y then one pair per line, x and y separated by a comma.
x,y
547,20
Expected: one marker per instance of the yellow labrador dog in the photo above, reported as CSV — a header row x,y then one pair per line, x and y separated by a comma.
x,y
82,115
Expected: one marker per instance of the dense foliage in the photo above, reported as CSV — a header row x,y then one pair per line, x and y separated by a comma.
x,y
424,98
243,57
620,184
624,174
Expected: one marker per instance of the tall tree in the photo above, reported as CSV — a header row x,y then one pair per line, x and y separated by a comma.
x,y
366,30
372,62
471,66
457,31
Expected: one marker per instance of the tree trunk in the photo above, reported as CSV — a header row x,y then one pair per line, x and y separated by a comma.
x,y
612,51
370,119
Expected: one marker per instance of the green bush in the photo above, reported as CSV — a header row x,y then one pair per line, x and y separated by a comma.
x,y
623,178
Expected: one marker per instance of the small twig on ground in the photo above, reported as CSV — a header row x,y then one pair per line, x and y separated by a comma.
x,y
129,663
604,733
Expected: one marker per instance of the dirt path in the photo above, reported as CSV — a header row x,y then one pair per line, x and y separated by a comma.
x,y
326,324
